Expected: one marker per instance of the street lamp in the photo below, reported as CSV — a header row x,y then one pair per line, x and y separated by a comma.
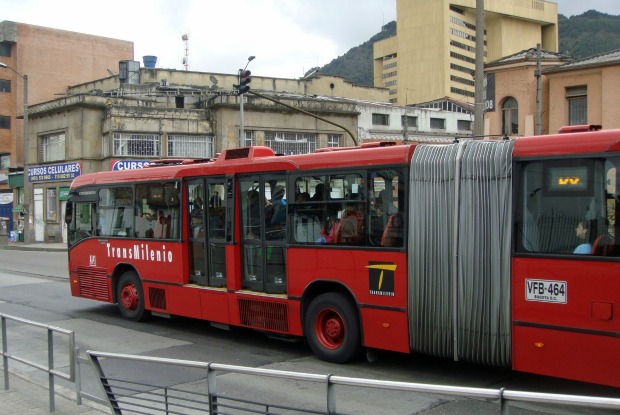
x,y
241,126
26,201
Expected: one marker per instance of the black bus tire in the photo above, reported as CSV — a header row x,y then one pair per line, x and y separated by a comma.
x,y
332,328
130,297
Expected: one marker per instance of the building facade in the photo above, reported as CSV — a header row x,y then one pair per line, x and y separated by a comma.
x,y
573,92
148,114
40,63
433,53
512,90
584,92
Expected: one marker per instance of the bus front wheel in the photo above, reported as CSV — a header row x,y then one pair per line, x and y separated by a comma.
x,y
332,328
130,297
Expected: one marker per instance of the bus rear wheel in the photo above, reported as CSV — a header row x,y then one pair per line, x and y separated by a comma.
x,y
130,297
332,328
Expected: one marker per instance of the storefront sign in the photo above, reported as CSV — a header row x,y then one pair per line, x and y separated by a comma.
x,y
63,193
128,164
65,171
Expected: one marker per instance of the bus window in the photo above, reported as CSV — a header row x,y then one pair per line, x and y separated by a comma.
x,y
82,221
157,213
217,230
197,246
263,232
114,217
567,204
387,207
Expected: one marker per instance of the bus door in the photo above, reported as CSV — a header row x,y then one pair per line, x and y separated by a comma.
x,y
208,218
263,232
566,274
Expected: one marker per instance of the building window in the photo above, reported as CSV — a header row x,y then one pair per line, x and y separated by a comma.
x,y
438,124
510,117
460,80
125,144
380,119
250,139
192,146
52,210
463,92
577,105
334,140
5,85
412,122
53,147
463,125
5,161
5,49
291,143
5,122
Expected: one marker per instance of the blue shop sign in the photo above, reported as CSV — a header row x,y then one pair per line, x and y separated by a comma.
x,y
128,164
65,171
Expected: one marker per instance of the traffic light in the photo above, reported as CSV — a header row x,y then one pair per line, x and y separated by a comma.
x,y
244,81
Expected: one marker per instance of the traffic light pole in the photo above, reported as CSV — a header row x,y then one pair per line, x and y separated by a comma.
x,y
241,126
304,112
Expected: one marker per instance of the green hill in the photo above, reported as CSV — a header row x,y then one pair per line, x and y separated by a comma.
x,y
588,34
580,36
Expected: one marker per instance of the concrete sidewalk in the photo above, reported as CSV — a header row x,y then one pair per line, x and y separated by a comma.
x,y
27,397
48,247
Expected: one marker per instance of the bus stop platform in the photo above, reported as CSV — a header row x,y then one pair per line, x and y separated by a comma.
x,y
28,397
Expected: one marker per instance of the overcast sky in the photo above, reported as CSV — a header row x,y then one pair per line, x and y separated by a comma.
x,y
288,37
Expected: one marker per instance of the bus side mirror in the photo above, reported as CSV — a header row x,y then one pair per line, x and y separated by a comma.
x,y
68,213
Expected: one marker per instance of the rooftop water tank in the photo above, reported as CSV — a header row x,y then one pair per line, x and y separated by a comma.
x,y
149,61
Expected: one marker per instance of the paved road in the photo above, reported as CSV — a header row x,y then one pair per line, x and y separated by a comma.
x,y
33,285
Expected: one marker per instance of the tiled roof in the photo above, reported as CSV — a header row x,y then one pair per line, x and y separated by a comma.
x,y
529,54
603,59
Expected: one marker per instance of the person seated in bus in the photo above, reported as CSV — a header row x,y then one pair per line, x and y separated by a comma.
x,y
159,230
318,193
349,229
303,197
253,215
583,233
377,224
197,206
328,228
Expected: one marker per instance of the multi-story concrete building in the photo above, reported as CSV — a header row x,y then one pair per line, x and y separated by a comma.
x,y
433,53
145,114
50,59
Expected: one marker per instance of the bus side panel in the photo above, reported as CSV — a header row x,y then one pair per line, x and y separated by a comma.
x,y
566,320
376,279
561,356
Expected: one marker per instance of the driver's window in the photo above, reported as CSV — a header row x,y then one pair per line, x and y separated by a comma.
x,y
567,207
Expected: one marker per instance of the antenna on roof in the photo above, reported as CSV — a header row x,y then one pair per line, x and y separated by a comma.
x,y
185,38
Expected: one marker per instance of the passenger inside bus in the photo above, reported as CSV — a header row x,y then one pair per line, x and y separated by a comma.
x,y
318,193
253,215
583,233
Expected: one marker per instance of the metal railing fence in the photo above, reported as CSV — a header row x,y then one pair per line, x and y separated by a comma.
x,y
127,397
49,368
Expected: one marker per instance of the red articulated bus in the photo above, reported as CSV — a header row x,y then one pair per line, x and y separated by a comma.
x,y
502,252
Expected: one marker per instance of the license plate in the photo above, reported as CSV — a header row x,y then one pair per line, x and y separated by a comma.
x,y
547,291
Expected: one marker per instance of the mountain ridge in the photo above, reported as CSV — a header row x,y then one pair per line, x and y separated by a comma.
x,y
581,36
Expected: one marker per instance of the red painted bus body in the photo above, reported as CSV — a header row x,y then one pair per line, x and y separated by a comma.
x,y
557,310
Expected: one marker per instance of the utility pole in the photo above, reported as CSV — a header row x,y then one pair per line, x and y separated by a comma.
x,y
479,72
538,90
27,189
